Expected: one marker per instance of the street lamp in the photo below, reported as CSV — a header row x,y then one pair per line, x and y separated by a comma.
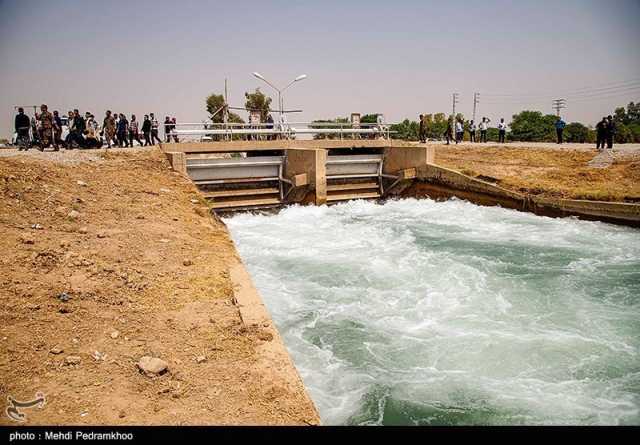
x,y
280,91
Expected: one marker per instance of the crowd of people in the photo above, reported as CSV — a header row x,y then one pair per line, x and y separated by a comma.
x,y
45,129
605,131
472,129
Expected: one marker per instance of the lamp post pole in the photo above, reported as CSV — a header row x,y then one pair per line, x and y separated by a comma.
x,y
280,91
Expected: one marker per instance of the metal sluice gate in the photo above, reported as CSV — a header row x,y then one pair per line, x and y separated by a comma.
x,y
236,183
354,177
239,183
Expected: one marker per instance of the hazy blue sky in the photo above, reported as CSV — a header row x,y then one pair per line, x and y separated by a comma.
x,y
398,57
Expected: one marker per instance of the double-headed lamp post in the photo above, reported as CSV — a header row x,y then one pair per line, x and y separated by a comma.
x,y
280,91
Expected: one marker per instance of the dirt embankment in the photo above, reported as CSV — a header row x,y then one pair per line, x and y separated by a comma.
x,y
106,261
548,172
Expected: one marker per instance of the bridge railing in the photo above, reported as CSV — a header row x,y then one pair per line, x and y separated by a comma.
x,y
208,131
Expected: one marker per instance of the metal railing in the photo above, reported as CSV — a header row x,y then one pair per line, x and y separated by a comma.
x,y
208,131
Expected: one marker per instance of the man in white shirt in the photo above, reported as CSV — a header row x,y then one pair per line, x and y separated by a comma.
x,y
459,131
484,125
472,131
502,131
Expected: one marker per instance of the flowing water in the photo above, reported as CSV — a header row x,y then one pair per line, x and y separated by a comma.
x,y
423,312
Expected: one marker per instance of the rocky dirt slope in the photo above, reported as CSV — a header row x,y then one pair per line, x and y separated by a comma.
x,y
109,258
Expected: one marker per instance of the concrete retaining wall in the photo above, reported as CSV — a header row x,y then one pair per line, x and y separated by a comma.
x,y
438,182
401,158
271,354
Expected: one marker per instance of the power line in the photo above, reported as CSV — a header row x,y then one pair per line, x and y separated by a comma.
x,y
579,91
622,91
611,96
548,96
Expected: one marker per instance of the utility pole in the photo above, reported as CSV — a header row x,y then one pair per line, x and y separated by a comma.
x,y
455,101
225,110
476,101
559,104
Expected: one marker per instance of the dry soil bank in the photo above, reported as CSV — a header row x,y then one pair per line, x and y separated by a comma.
x,y
558,173
144,271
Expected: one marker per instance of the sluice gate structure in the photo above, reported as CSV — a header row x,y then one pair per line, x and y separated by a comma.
x,y
246,175
239,175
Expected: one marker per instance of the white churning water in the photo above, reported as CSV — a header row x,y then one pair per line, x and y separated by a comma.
x,y
423,312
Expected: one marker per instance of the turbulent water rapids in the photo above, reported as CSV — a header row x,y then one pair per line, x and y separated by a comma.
x,y
424,312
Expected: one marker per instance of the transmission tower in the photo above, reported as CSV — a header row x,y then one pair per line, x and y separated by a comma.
x,y
559,104
476,101
455,101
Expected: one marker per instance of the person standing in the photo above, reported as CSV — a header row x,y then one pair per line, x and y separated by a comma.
x,y
270,127
484,125
22,126
459,131
154,129
46,126
423,130
502,131
68,137
57,130
133,131
146,130
79,126
560,124
167,129
601,134
109,128
611,131
448,134
123,128
173,129
472,131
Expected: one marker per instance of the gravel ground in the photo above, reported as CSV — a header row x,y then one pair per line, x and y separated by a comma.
x,y
618,149
70,156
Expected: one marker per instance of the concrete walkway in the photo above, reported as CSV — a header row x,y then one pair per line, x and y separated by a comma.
x,y
602,160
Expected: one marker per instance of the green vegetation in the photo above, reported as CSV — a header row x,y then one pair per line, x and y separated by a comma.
x,y
526,126
531,126
628,123
214,104
330,123
258,101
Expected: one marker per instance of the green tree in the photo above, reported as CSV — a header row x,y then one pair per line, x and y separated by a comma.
x,y
620,115
578,133
327,123
258,101
623,134
627,123
436,125
533,126
635,131
369,118
407,130
633,113
493,134
214,104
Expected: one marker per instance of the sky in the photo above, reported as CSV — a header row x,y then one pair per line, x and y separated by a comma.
x,y
399,58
